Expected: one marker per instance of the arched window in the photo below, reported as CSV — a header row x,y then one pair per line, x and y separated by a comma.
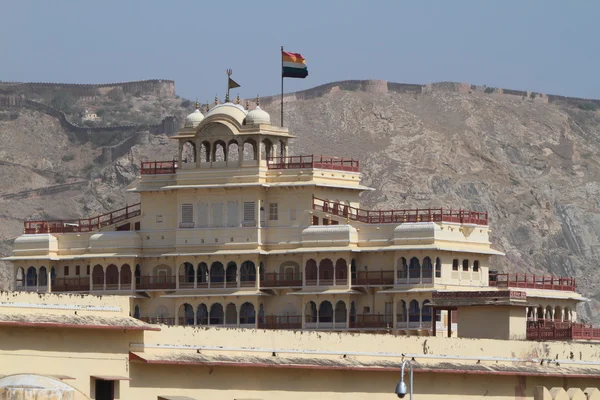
x,y
402,268
97,277
186,314
217,273
231,274
20,278
353,270
414,269
162,312
266,149
205,152
414,311
465,266
352,312
340,312
233,151
125,276
341,271
549,312
427,311
427,269
186,275
247,314
202,315
455,264
231,314
402,314
136,312
325,312
249,150
476,266
219,151
43,277
216,314
138,274
188,152
248,272
310,312
540,313
31,277
311,272
438,267
202,275
326,272
112,277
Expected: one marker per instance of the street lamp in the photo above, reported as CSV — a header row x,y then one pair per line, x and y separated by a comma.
x,y
401,386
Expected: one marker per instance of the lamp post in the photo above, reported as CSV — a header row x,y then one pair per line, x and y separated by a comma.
x,y
401,386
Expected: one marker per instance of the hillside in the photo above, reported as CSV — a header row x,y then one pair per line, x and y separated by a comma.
x,y
531,164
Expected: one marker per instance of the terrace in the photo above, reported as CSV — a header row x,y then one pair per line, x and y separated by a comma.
x,y
528,281
400,216
556,330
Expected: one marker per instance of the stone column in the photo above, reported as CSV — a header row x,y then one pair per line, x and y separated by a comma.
x,y
394,314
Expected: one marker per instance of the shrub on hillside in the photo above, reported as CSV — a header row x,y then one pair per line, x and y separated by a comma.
x,y
116,94
63,101
588,106
489,90
68,157
186,103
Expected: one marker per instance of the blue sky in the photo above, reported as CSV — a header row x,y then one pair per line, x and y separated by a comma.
x,y
546,46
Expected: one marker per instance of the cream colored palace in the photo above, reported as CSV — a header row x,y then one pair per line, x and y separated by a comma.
x,y
248,273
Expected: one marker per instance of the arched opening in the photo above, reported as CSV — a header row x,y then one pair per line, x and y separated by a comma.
x,y
402,269
438,267
353,274
186,314
136,312
43,276
112,277
402,314
567,315
231,314
186,275
217,274
247,314
219,152
249,150
549,313
530,314
427,270
138,274
281,148
427,311
341,315
266,149
326,272
341,272
325,312
162,312
202,275
205,152
248,273
233,151
216,314
310,312
540,313
188,152
465,265
202,315
20,278
476,266
53,276
414,311
97,277
261,314
311,272
125,277
414,270
31,277
231,274
352,313
558,316
289,271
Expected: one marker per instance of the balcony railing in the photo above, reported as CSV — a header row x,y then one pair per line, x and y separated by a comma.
x,y
373,278
372,321
217,281
158,167
516,280
555,330
399,216
281,322
155,282
275,279
71,284
158,320
84,224
312,161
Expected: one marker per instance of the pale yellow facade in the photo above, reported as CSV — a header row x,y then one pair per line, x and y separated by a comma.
x,y
247,256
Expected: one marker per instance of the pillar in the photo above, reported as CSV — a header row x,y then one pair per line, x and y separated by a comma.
x,y
119,278
434,322
449,323
37,280
395,314
177,275
104,270
195,275
303,314
349,273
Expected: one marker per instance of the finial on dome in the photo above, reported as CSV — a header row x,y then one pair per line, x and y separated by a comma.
x,y
247,105
207,106
216,100
227,97
197,105
237,100
257,101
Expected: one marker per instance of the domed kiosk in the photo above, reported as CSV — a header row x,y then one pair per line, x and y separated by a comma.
x,y
194,119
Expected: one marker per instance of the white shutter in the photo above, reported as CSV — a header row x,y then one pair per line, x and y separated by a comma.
x,y
217,215
202,215
187,216
249,213
233,217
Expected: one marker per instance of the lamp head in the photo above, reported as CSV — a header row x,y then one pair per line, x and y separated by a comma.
x,y
401,389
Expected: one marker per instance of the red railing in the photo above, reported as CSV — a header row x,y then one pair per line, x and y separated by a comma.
x,y
366,278
158,320
555,330
158,167
155,282
371,321
312,161
275,279
399,216
281,322
71,284
84,224
516,280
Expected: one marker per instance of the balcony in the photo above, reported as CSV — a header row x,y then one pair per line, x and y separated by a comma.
x,y
373,278
281,322
312,161
555,330
371,321
155,283
399,216
71,284
84,224
275,279
158,320
527,281
158,167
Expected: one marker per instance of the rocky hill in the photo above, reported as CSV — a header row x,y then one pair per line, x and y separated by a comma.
x,y
533,165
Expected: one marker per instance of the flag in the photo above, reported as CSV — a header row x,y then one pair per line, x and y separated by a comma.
x,y
232,84
293,65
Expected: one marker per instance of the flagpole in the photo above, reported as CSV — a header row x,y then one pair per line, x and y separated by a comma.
x,y
281,86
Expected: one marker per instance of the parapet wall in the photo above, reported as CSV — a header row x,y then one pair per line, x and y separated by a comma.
x,y
157,87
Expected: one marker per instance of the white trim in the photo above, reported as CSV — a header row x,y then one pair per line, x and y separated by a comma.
x,y
7,304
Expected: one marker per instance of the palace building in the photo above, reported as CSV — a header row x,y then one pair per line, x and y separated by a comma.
x,y
235,232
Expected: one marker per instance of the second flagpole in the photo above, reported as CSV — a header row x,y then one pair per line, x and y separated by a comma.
x,y
281,55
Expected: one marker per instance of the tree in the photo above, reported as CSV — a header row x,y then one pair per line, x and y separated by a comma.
x,y
63,101
116,94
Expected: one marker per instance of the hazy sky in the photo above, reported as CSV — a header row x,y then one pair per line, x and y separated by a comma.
x,y
547,46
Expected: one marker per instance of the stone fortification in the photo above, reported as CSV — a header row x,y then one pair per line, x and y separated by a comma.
x,y
157,87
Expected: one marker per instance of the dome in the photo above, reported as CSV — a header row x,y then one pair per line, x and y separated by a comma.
x,y
258,116
194,119
233,110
